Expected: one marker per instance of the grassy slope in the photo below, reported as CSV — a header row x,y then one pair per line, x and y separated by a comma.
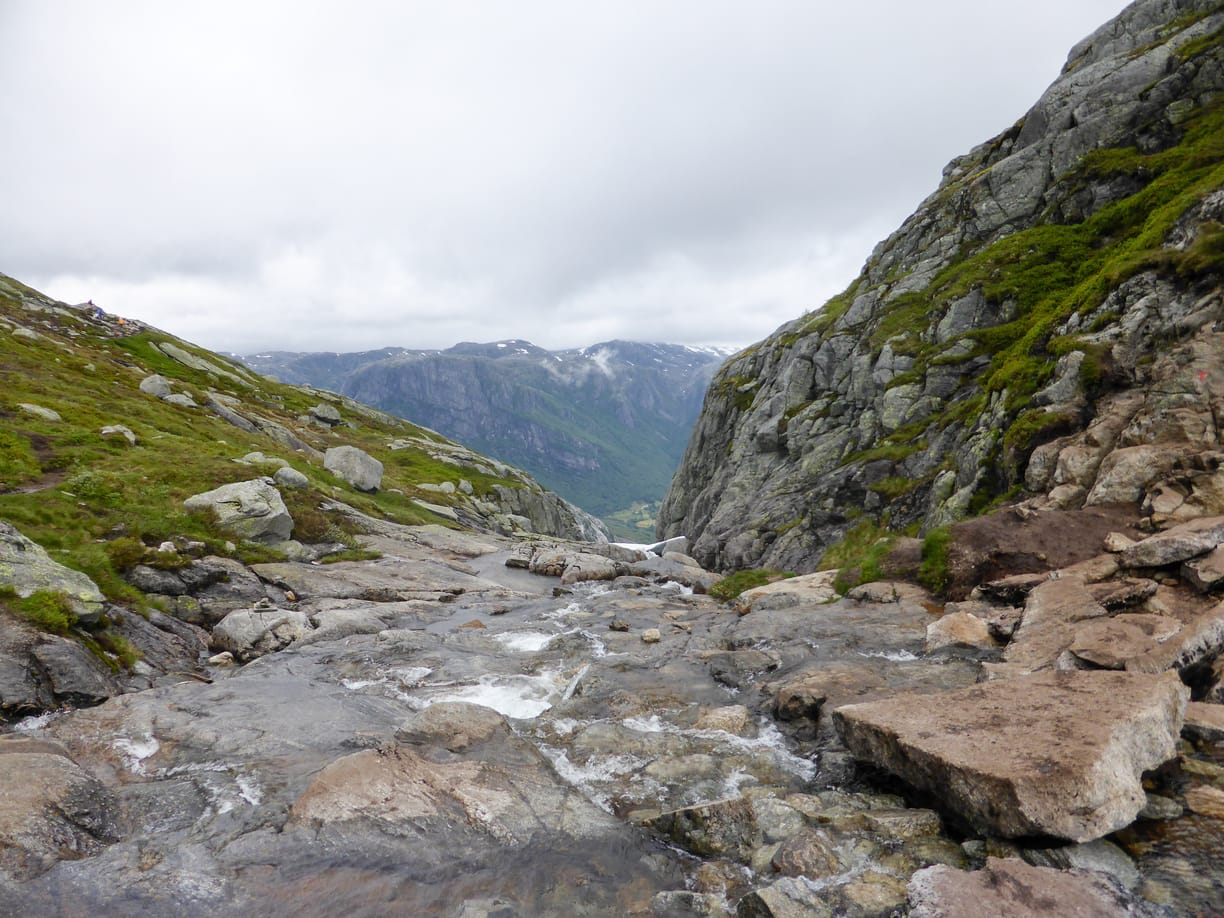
x,y
76,493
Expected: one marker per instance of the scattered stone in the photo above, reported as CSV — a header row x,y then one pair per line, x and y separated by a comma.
x,y
474,625
678,903
727,828
1019,890
47,414
735,719
354,466
885,591
1205,573
289,477
251,633
1067,762
1116,542
1052,614
651,636
789,897
326,415
1119,594
1159,809
224,658
252,509
118,430
618,624
156,385
1200,640
1205,721
806,695
960,629
1101,856
181,399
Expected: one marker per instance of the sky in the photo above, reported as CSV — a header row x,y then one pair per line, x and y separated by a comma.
x,y
341,176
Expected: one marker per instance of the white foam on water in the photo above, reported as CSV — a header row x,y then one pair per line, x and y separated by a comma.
x,y
524,641
409,676
651,724
598,647
897,656
35,722
769,740
598,770
249,789
572,686
734,783
135,751
523,697
355,685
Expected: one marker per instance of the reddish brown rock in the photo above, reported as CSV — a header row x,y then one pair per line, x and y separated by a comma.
x,y
1055,753
960,629
1110,643
1018,890
1206,573
1052,615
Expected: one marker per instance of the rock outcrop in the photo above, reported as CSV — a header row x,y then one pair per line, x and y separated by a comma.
x,y
1047,319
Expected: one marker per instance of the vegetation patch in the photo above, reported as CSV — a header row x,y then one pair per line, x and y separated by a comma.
x,y
46,610
933,573
859,555
734,584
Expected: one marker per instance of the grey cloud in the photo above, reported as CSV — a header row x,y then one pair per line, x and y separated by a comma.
x,y
419,173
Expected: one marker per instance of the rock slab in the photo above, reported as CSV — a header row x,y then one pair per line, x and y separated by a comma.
x,y
1054,753
1016,889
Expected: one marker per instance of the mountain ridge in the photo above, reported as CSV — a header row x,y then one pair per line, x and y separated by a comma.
x,y
603,425
1043,275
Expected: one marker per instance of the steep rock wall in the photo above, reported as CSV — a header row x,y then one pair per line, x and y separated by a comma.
x,y
1061,270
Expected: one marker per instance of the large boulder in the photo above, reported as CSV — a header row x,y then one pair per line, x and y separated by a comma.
x,y
252,509
251,633
27,568
1054,753
1181,543
355,466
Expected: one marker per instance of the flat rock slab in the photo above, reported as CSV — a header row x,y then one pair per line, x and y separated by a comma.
x,y
1052,613
1058,753
1019,890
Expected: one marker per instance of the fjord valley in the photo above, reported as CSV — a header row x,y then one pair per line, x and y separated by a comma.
x,y
604,426
933,624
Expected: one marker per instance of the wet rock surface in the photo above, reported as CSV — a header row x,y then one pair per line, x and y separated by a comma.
x,y
436,732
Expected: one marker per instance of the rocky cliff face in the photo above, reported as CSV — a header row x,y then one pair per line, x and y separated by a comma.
x,y
604,425
1047,323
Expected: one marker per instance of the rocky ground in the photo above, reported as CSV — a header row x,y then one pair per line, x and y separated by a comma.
x,y
473,726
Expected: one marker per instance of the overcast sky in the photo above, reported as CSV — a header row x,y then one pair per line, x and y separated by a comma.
x,y
350,175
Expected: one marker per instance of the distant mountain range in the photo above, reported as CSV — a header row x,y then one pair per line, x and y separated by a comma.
x,y
604,426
